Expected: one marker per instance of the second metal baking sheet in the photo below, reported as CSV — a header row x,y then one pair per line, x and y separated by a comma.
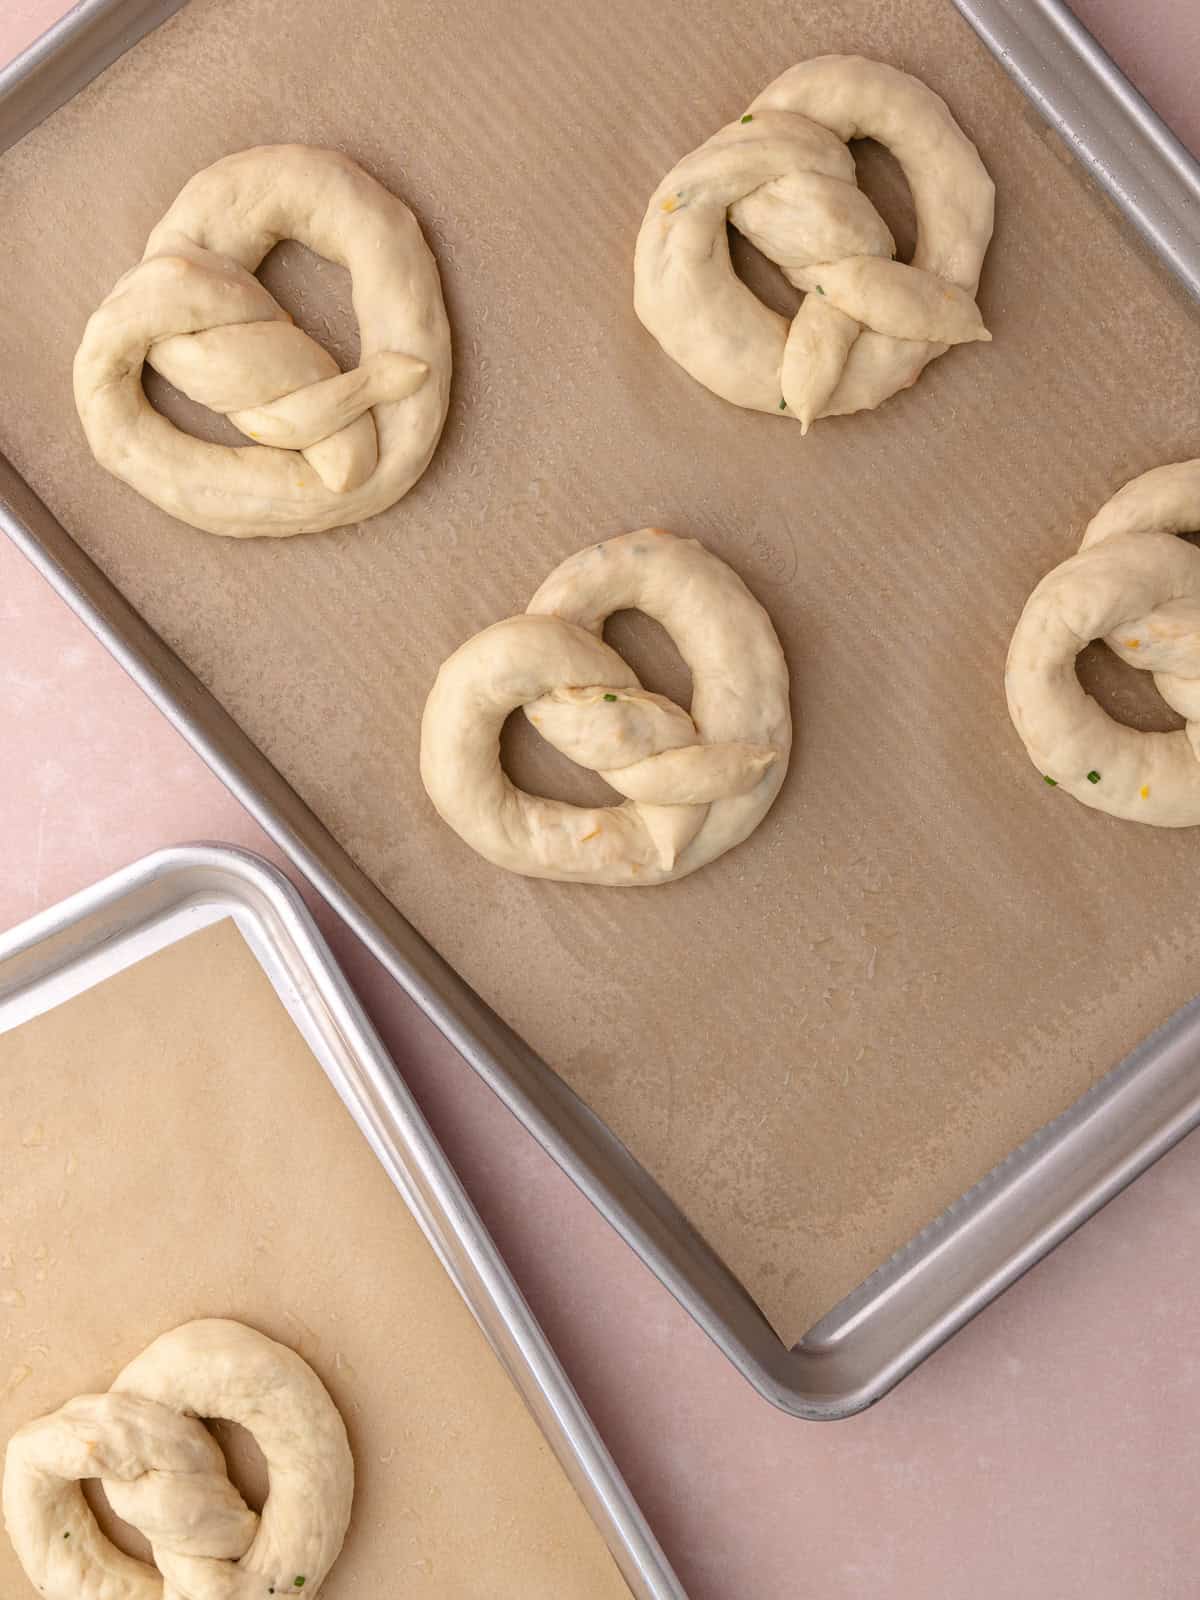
x,y
153,1082
924,954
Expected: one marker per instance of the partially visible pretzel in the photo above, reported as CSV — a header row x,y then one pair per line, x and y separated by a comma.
x,y
1137,587
164,1473
783,176
332,447
694,786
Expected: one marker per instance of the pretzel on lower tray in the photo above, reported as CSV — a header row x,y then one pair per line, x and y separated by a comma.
x,y
164,1473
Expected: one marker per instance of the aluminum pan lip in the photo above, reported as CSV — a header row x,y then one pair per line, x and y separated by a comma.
x,y
71,52
1013,1216
1108,126
94,923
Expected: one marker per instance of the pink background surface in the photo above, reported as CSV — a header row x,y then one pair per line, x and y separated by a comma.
x,y
1051,1451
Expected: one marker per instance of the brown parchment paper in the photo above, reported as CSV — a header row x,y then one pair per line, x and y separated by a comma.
x,y
171,1149
924,953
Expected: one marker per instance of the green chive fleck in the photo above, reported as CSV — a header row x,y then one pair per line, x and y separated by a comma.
x,y
749,117
1053,782
819,289
299,1582
783,405
610,697
1093,776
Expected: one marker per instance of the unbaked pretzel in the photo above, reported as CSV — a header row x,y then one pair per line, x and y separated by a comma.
x,y
1138,588
164,1473
332,447
694,786
783,176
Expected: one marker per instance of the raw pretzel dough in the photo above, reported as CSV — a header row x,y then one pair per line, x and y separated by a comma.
x,y
164,1473
783,176
333,447
1137,587
695,785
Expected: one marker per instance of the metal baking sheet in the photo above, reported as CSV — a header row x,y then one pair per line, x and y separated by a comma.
x,y
1015,1215
166,897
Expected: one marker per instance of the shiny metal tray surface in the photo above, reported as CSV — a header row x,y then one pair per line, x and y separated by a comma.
x,y
1024,1207
157,901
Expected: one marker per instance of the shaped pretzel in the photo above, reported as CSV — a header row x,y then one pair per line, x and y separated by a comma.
x,y
782,175
331,447
694,785
164,1473
1137,587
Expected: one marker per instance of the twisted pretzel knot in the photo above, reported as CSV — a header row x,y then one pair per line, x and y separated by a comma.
x,y
164,1473
195,311
783,176
1137,587
694,786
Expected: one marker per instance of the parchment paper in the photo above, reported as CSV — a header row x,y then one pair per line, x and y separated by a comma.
x,y
924,953
170,1149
